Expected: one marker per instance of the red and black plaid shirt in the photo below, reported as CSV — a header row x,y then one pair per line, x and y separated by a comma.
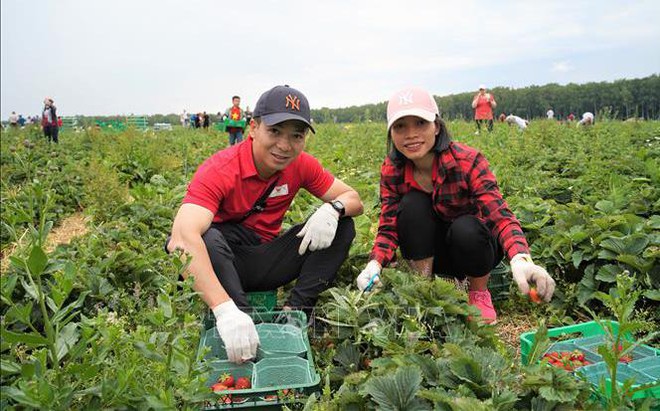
x,y
462,185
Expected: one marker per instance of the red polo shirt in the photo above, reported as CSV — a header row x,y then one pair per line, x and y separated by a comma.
x,y
227,184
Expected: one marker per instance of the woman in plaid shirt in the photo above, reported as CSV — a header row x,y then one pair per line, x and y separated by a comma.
x,y
441,205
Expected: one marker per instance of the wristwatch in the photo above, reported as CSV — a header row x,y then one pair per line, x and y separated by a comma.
x,y
339,207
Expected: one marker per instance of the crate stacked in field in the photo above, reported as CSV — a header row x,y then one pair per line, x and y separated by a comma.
x,y
116,125
575,347
282,373
69,122
162,127
139,122
499,282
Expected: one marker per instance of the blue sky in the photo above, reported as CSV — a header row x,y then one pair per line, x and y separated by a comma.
x,y
145,57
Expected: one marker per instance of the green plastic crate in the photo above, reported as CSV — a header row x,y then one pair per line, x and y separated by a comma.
x,y
587,337
499,282
284,361
566,333
280,340
263,300
598,372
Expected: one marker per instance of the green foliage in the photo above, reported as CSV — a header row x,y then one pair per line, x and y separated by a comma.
x,y
608,100
102,323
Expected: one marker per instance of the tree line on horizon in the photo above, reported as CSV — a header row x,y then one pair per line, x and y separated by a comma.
x,y
620,99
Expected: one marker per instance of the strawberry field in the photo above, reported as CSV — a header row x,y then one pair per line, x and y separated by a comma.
x,y
100,321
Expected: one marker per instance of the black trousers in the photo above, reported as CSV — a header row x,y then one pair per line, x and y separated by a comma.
x,y
51,132
488,122
463,247
243,264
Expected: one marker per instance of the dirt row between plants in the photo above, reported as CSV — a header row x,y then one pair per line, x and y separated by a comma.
x,y
71,227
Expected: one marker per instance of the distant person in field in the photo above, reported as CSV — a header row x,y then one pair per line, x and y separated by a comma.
x,y
49,121
441,206
570,117
550,114
483,104
520,122
207,121
502,117
248,115
21,120
587,119
184,119
13,120
232,214
234,113
59,122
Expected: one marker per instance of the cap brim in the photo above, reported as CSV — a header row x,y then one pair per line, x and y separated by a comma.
x,y
277,118
426,115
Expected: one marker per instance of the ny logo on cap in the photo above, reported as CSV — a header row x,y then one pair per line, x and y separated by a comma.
x,y
294,101
406,97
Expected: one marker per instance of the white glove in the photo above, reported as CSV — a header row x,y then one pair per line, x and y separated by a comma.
x,y
525,271
237,332
371,271
320,229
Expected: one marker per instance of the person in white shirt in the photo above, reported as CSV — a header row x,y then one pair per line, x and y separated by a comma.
x,y
550,114
183,118
13,119
522,124
587,119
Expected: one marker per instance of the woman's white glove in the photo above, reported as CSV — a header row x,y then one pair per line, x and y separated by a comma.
x,y
319,230
237,332
369,277
525,272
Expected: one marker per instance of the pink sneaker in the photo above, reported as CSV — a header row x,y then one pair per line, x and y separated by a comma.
x,y
481,300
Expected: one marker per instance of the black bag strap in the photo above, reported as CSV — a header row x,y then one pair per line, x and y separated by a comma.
x,y
260,204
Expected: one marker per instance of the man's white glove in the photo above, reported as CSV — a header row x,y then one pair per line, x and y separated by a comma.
x,y
369,277
237,332
525,272
320,229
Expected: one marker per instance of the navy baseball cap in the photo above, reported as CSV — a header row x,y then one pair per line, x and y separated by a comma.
x,y
282,103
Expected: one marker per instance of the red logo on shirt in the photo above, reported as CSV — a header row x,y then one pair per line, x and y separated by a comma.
x,y
294,101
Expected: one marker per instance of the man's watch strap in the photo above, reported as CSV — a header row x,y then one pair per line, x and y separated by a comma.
x,y
339,207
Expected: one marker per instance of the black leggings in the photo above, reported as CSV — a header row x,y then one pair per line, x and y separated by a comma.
x,y
489,122
461,248
51,133
243,263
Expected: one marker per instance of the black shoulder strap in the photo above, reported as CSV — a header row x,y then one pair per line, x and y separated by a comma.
x,y
260,204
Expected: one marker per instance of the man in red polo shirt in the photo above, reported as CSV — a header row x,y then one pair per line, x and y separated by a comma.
x,y
231,216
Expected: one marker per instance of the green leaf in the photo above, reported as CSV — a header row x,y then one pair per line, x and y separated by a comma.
x,y
31,339
21,397
652,295
66,338
37,261
576,257
20,312
149,351
397,392
467,370
608,273
9,367
165,305
605,206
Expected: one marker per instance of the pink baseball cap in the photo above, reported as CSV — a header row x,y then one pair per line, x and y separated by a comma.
x,y
411,101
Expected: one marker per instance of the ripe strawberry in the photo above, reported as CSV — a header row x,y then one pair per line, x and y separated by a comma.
x,y
218,387
243,383
227,380
534,296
